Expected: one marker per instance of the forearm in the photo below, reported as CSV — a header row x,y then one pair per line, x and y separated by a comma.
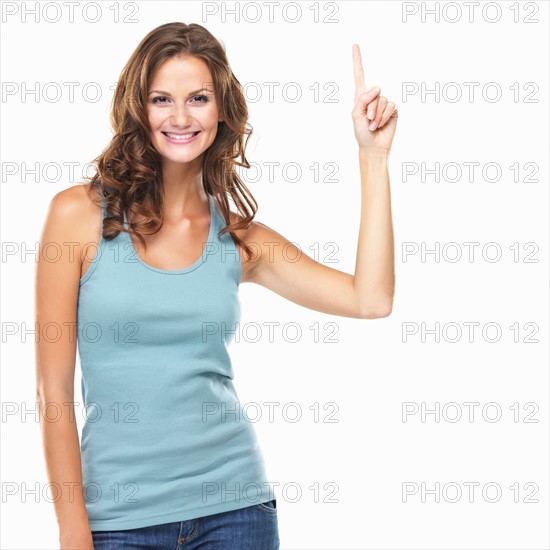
x,y
62,456
374,278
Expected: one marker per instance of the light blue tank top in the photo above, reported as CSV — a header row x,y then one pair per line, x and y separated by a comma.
x,y
165,438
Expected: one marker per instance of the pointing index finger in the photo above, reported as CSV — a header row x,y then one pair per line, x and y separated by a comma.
x,y
358,73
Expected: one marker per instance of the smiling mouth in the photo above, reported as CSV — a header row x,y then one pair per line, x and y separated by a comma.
x,y
183,137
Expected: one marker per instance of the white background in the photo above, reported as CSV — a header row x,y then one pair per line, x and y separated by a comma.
x,y
371,370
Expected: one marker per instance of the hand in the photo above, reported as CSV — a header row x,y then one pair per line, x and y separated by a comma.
x,y
76,540
384,112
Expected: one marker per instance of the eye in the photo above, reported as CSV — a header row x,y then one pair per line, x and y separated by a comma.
x,y
203,98
158,97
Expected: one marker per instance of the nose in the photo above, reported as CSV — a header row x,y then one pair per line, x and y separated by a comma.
x,y
180,116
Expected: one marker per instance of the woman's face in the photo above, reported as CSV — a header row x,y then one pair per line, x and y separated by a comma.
x,y
181,101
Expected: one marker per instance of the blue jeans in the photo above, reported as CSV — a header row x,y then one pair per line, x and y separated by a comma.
x,y
252,528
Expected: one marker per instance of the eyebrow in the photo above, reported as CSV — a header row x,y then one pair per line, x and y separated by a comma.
x,y
190,93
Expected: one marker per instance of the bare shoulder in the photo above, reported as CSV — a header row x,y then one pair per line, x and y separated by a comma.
x,y
254,230
258,236
74,200
75,206
74,216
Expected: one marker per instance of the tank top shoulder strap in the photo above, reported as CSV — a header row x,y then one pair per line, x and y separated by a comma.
x,y
217,218
103,201
102,243
103,207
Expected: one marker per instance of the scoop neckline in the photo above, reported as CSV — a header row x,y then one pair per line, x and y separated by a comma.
x,y
192,267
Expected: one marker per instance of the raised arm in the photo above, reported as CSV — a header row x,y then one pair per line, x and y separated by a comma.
x,y
368,293
56,296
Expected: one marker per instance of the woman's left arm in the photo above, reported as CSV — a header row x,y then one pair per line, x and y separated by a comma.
x,y
368,294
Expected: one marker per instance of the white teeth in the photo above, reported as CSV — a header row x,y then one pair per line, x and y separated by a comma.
x,y
182,137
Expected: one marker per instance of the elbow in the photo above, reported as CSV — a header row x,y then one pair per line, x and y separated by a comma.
x,y
378,310
40,397
53,393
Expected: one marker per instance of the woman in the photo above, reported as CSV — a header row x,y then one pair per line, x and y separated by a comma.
x,y
166,460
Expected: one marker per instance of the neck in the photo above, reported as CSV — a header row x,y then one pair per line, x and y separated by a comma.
x,y
183,190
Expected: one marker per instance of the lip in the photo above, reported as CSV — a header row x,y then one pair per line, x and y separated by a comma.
x,y
181,141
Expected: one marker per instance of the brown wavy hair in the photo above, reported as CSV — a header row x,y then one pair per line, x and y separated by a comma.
x,y
129,170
